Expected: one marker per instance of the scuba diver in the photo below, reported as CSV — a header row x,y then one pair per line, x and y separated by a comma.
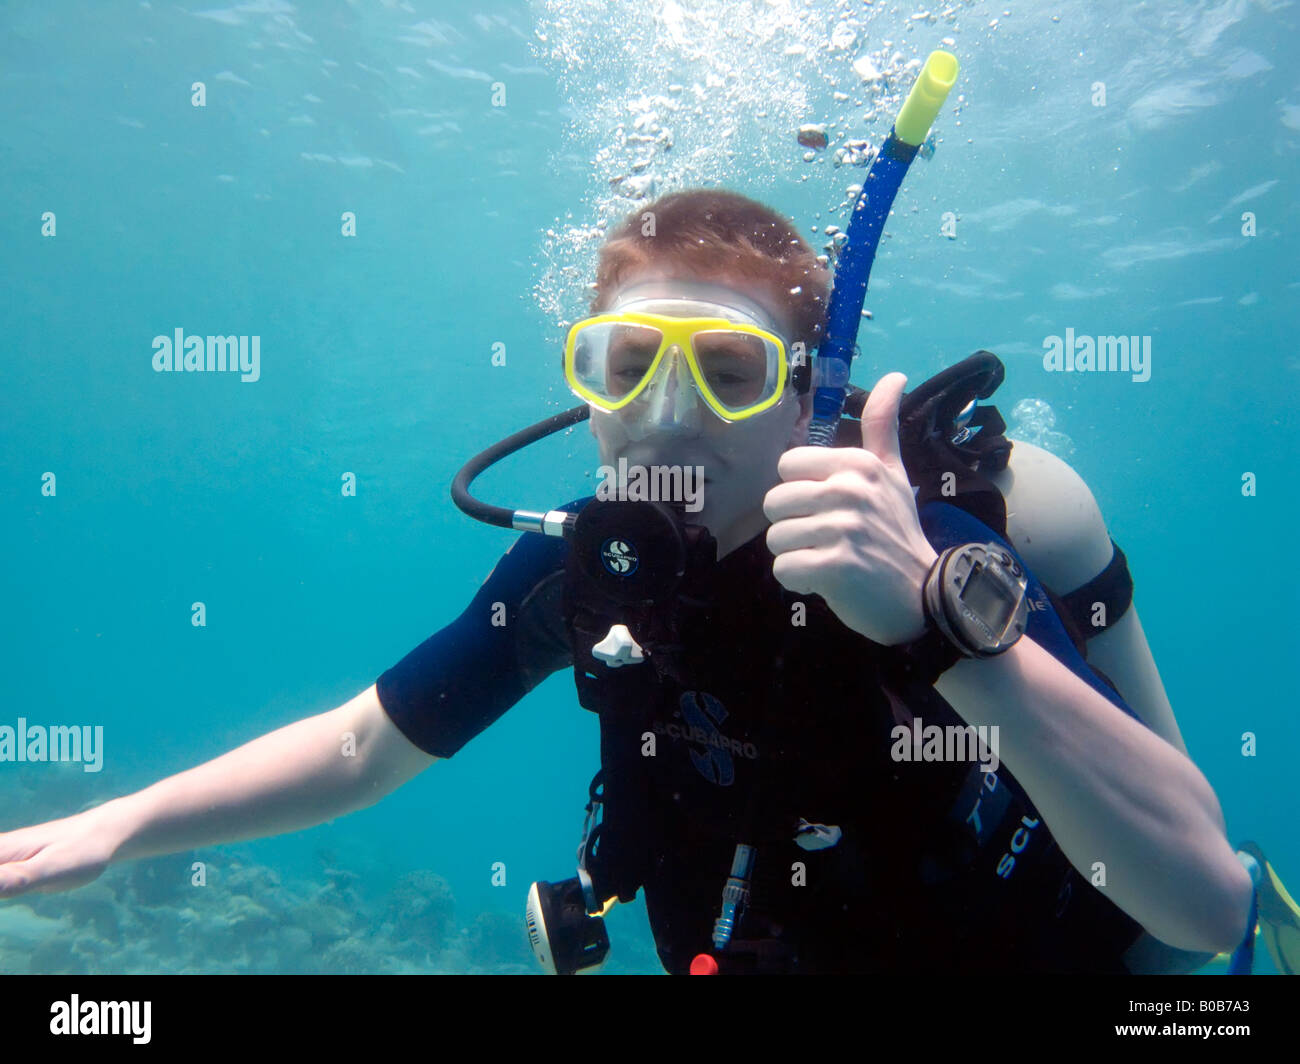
x,y
772,656
748,781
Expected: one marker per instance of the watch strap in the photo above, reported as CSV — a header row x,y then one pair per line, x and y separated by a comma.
x,y
927,658
924,660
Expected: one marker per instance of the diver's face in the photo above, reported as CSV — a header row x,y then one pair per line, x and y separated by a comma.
x,y
670,424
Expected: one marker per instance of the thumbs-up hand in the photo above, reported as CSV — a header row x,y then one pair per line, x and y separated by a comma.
x,y
844,526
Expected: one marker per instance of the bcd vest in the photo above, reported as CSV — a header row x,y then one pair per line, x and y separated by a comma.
x,y
759,713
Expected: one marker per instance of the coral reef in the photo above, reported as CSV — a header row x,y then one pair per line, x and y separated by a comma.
x,y
148,917
158,916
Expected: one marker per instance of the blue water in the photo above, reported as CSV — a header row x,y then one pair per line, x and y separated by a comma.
x,y
476,225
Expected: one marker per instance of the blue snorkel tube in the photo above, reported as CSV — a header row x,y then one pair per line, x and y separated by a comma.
x,y
849,290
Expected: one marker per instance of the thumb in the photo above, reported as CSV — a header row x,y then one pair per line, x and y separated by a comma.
x,y
880,419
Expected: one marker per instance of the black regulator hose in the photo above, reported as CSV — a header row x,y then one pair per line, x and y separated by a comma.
x,y
499,515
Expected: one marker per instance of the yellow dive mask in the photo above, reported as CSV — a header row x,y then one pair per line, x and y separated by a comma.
x,y
739,366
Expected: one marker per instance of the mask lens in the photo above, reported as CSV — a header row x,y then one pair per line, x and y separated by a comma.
x,y
739,368
611,358
631,350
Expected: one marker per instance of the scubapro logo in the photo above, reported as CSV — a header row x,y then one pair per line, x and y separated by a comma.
x,y
703,713
619,557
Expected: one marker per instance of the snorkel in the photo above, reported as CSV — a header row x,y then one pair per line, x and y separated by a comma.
x,y
843,315
867,221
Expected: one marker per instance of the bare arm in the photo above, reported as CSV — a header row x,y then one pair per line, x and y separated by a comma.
x,y
298,776
293,778
1113,791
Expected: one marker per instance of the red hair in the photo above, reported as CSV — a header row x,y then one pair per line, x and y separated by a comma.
x,y
710,234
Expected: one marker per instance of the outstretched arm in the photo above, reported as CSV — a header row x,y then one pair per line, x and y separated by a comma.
x,y
303,774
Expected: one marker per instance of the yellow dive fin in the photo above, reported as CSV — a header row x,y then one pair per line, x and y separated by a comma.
x,y
1279,915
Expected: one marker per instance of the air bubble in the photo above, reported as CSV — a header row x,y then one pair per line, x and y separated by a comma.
x,y
1033,421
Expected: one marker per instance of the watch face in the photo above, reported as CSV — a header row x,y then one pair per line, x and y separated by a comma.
x,y
991,599
986,598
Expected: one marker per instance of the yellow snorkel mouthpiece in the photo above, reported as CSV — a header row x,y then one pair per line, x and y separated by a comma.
x,y
932,86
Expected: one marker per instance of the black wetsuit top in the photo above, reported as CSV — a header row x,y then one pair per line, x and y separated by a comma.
x,y
940,868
